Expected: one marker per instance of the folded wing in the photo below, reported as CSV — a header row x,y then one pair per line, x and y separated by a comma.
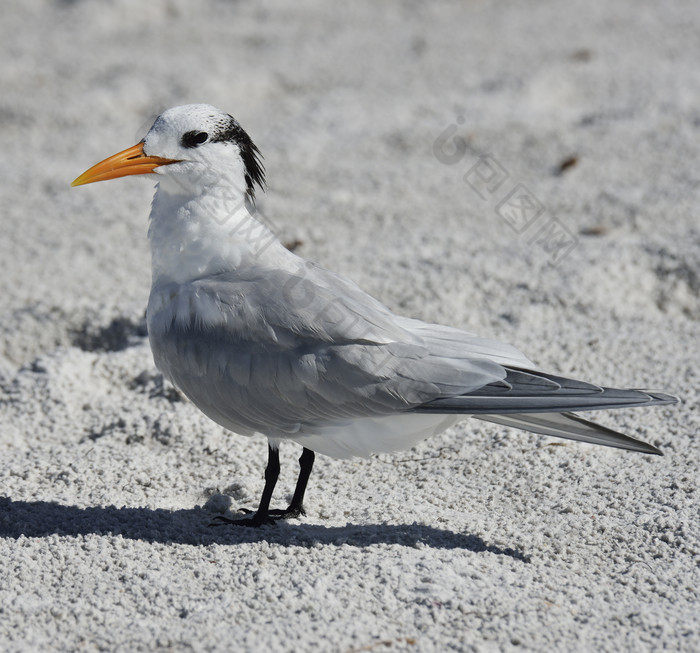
x,y
295,353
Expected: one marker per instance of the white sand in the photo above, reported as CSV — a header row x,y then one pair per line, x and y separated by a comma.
x,y
481,539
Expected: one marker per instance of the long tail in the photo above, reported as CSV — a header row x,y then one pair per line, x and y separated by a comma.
x,y
571,427
540,403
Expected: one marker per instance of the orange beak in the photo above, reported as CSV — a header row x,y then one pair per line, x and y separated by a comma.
x,y
131,161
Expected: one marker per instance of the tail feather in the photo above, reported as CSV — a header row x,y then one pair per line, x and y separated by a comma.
x,y
571,427
530,391
541,403
480,403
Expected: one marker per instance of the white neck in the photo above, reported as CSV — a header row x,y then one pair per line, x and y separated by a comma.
x,y
196,234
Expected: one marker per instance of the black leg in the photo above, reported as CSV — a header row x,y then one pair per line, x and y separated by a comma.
x,y
272,472
296,507
306,464
262,516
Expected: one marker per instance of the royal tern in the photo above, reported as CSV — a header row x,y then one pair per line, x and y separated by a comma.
x,y
263,341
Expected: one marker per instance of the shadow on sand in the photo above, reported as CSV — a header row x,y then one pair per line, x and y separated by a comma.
x,y
196,527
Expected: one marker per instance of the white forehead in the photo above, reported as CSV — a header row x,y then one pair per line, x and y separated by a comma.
x,y
191,117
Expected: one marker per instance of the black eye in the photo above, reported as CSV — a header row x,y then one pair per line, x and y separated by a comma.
x,y
194,138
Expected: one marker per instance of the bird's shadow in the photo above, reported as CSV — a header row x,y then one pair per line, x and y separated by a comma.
x,y
197,527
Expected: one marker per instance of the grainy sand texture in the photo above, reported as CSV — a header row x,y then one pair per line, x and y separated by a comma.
x,y
398,138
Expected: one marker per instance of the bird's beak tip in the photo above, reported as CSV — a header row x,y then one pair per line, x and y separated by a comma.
x,y
79,181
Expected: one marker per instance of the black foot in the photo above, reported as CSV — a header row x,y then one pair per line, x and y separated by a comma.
x,y
264,515
251,522
272,517
288,513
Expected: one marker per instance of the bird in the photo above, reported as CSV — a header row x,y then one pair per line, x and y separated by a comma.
x,y
263,341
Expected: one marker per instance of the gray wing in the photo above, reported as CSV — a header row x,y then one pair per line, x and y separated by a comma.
x,y
529,391
540,403
279,351
285,352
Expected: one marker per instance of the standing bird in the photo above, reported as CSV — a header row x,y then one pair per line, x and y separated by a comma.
x,y
262,341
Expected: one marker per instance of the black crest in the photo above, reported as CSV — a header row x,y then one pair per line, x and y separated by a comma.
x,y
232,132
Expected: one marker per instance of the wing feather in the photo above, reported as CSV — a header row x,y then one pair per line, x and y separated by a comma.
x,y
266,363
305,354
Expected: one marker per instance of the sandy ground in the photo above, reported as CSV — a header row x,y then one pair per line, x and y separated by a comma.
x,y
396,138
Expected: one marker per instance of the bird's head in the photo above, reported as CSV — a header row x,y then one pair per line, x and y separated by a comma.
x,y
194,146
